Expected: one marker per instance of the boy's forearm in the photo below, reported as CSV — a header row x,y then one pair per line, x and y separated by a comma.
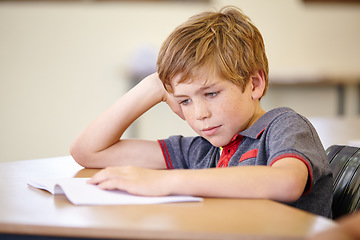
x,y
237,182
108,128
213,182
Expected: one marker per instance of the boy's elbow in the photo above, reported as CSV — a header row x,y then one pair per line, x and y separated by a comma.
x,y
293,189
293,195
292,179
79,155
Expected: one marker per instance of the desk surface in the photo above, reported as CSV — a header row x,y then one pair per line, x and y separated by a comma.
x,y
30,211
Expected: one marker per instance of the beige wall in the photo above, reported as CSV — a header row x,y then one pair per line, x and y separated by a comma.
x,y
61,64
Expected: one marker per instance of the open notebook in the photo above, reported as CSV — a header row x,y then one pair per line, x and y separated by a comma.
x,y
80,193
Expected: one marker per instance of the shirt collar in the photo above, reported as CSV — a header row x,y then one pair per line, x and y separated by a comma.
x,y
255,130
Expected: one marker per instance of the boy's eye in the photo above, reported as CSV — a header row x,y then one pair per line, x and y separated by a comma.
x,y
185,102
212,94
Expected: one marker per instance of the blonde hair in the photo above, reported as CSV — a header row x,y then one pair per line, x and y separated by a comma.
x,y
226,41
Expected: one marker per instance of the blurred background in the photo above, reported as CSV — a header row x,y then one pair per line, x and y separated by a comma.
x,y
64,62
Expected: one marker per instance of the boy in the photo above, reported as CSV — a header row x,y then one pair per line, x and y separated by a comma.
x,y
213,71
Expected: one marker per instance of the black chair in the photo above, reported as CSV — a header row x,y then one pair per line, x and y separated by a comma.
x,y
345,164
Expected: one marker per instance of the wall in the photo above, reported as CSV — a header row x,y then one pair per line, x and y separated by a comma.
x,y
61,64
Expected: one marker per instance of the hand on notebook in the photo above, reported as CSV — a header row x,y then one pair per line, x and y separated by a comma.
x,y
135,180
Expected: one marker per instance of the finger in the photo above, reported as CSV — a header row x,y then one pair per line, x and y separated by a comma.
x,y
111,184
99,177
107,173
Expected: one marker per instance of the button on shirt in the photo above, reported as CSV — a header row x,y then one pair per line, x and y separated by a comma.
x,y
229,150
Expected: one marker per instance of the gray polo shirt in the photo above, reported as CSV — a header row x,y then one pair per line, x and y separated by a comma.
x,y
279,133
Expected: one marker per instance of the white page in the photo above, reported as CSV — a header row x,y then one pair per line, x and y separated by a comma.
x,y
80,193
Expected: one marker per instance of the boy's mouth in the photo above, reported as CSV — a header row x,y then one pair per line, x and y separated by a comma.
x,y
211,130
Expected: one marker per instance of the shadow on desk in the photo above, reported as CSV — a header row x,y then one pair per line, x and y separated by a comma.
x,y
86,172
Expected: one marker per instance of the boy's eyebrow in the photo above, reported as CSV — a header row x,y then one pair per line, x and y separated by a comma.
x,y
179,96
201,89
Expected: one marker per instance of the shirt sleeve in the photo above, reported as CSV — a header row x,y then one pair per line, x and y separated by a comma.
x,y
188,152
292,135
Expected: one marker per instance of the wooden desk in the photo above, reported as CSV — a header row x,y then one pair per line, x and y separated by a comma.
x,y
29,211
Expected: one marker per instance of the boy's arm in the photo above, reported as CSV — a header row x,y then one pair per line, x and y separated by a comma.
x,y
99,145
284,181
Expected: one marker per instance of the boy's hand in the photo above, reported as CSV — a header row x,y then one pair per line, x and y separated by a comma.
x,y
134,180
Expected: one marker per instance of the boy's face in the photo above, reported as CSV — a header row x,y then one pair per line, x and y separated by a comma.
x,y
215,108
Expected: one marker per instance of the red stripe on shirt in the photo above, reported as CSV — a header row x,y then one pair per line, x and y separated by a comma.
x,y
249,154
165,154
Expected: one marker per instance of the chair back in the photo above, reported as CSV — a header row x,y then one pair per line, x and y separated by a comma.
x,y
345,162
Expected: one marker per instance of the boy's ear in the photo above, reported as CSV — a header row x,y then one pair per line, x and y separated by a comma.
x,y
258,84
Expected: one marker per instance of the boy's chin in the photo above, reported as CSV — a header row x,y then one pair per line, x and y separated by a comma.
x,y
218,142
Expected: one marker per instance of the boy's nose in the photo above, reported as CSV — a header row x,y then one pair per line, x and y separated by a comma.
x,y
202,111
